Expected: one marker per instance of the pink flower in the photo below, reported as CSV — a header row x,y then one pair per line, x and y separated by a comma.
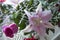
x,y
14,27
39,21
10,30
1,1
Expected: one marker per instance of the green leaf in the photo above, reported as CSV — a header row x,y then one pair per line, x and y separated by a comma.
x,y
1,21
22,24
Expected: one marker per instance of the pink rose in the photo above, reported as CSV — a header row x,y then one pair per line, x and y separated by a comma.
x,y
10,30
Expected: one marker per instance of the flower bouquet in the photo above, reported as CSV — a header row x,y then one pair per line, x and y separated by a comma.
x,y
29,19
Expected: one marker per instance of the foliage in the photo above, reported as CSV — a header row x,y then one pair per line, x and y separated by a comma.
x,y
20,17
18,14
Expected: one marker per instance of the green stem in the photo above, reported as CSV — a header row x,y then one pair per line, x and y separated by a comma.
x,y
0,7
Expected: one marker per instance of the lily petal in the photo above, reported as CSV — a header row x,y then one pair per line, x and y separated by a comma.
x,y
27,29
27,13
48,25
41,30
46,15
39,8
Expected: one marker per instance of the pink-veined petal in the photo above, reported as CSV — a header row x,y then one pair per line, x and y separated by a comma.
x,y
39,8
34,20
27,13
46,15
40,29
48,25
28,28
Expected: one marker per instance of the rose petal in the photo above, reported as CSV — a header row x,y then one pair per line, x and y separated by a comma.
x,y
2,0
4,27
14,27
8,32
